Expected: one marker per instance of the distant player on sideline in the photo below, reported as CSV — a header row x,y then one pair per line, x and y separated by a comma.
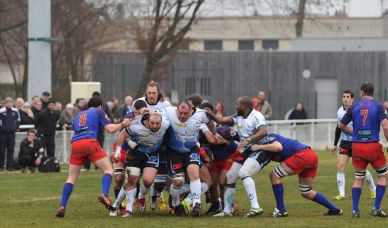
x,y
345,150
294,158
84,145
367,115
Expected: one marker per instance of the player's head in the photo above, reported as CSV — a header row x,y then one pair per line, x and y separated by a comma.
x,y
367,89
195,100
95,102
154,121
347,98
184,111
243,105
207,105
153,94
138,107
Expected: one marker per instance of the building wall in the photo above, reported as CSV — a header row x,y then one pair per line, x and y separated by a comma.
x,y
224,76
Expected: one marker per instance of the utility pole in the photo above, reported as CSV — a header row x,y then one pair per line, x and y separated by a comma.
x,y
39,47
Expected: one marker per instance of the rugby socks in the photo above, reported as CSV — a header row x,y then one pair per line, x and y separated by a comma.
x,y
250,188
356,194
380,191
130,196
117,191
278,191
228,199
322,200
66,192
143,191
106,181
369,180
154,193
195,189
204,188
175,193
119,199
341,183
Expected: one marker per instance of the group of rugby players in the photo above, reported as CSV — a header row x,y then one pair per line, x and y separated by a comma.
x,y
189,151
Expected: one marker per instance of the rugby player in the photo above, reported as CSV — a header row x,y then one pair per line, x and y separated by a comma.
x,y
294,158
345,150
251,128
367,115
84,145
183,156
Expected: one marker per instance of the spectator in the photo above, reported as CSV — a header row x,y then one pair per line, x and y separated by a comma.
x,y
46,124
37,107
45,98
9,121
256,103
115,109
26,115
34,99
80,105
31,152
58,106
19,103
298,113
126,107
67,116
220,109
264,106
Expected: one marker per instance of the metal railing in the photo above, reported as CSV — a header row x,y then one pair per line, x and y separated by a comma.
x,y
317,133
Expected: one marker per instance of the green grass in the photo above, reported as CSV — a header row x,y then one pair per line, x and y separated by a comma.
x,y
30,200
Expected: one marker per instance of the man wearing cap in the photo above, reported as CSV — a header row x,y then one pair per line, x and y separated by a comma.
x,y
45,98
9,121
46,124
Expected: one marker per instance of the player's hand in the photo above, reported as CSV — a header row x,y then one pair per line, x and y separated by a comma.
x,y
207,160
38,161
220,139
126,122
333,150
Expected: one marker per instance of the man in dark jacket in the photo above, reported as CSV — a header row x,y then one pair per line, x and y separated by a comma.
x,y
31,151
9,121
46,124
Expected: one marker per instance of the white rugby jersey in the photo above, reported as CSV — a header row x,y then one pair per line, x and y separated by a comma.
x,y
248,126
184,136
159,106
148,141
340,113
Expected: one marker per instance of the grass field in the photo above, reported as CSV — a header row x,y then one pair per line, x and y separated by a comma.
x,y
31,200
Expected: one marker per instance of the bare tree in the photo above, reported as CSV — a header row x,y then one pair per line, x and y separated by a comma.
x,y
159,30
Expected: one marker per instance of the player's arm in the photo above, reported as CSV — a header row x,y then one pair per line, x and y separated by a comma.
x,y
117,127
337,136
384,124
346,119
274,147
227,120
345,129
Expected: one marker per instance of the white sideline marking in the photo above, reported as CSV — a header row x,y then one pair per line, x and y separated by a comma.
x,y
34,199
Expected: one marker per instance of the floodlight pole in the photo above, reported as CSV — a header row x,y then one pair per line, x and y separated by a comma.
x,y
39,47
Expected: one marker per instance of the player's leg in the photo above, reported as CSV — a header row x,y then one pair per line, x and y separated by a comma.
x,y
74,171
215,207
195,187
281,171
379,163
119,177
250,167
342,160
106,167
231,179
133,174
151,164
371,184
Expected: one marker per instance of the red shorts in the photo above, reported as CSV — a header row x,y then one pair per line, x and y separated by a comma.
x,y
217,166
365,153
304,163
85,148
123,154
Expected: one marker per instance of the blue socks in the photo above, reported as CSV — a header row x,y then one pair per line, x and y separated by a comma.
x,y
106,181
278,191
380,190
67,189
356,193
322,200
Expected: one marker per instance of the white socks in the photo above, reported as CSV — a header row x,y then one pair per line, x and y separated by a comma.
x,y
120,198
250,188
130,196
195,189
228,199
369,180
341,183
143,191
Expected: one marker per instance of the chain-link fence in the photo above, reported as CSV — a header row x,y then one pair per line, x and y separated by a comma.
x,y
318,133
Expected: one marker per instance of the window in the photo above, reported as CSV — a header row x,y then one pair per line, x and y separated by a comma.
x,y
246,45
212,45
270,45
